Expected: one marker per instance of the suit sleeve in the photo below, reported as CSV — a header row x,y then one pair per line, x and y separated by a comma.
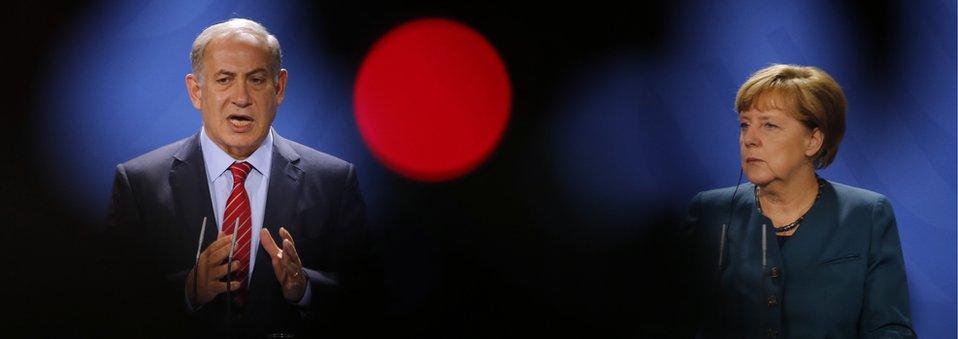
x,y
118,252
885,311
122,213
363,273
352,295
136,286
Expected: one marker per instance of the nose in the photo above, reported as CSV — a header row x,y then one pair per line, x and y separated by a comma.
x,y
241,97
749,137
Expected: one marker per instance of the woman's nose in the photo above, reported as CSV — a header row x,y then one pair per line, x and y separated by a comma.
x,y
750,137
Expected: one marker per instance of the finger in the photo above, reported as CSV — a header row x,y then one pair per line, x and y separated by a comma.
x,y
291,253
220,287
267,241
287,258
219,271
291,264
219,254
286,235
279,267
221,240
293,272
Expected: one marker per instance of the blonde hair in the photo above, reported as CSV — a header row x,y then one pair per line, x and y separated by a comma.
x,y
809,94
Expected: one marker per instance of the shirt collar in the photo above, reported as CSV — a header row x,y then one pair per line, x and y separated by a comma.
x,y
218,161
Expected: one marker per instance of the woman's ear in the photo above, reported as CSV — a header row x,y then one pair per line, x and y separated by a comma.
x,y
814,142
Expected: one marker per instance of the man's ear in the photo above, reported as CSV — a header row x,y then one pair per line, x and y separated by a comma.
x,y
281,86
194,90
815,142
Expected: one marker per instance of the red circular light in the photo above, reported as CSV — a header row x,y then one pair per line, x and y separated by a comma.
x,y
432,99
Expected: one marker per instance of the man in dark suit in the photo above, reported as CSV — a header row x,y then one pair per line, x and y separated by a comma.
x,y
250,187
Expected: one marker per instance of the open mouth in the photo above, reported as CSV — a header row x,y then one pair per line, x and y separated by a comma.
x,y
240,123
240,119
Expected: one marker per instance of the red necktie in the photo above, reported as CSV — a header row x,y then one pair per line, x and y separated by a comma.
x,y
237,207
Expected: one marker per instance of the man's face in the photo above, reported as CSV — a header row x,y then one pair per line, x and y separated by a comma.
x,y
236,93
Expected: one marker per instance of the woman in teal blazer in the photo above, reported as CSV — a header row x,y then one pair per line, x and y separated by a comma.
x,y
789,254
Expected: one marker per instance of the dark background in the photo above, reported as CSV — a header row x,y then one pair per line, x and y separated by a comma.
x,y
562,230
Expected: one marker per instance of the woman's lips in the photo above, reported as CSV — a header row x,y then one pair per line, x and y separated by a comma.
x,y
753,160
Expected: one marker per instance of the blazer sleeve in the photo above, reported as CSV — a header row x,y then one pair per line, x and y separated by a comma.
x,y
885,311
122,213
122,255
351,299
364,273
327,286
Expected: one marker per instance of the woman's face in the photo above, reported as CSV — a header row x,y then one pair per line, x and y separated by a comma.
x,y
775,146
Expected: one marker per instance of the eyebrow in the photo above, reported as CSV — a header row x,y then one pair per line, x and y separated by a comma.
x,y
255,71
758,116
233,74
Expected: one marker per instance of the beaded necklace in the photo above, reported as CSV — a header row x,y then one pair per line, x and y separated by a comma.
x,y
796,223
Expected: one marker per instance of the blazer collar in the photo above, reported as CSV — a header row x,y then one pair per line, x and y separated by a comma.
x,y
191,200
807,245
217,161
282,210
190,192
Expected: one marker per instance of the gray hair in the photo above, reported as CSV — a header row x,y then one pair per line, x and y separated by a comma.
x,y
232,26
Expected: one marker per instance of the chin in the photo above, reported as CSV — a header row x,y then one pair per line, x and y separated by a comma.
x,y
240,140
759,178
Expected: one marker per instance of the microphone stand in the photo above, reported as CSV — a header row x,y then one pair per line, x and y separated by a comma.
x,y
199,246
229,279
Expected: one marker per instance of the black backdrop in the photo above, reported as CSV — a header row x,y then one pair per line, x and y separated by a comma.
x,y
497,253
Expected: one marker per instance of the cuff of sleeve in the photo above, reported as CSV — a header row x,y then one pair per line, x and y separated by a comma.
x,y
306,300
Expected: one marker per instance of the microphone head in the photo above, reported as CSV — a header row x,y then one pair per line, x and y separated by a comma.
x,y
199,243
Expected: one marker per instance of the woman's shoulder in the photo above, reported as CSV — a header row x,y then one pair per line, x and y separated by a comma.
x,y
716,202
723,195
856,205
856,196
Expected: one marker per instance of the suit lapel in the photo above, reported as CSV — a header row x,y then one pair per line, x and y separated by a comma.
x,y
807,246
191,193
282,198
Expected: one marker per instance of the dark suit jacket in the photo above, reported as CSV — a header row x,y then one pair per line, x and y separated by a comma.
x,y
158,204
840,276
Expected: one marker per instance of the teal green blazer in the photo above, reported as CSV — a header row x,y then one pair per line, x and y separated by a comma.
x,y
840,276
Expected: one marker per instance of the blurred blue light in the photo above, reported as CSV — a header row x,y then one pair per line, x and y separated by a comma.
x,y
114,89
637,129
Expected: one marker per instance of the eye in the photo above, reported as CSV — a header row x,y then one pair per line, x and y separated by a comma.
x,y
743,125
223,81
257,81
770,125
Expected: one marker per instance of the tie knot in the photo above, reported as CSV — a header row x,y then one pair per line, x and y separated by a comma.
x,y
240,170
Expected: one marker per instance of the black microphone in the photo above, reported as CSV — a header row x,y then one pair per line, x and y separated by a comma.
x,y
725,226
229,278
199,246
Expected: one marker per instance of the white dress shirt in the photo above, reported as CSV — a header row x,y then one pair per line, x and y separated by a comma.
x,y
220,181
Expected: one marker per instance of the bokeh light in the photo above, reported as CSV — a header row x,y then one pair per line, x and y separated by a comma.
x,y
432,99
